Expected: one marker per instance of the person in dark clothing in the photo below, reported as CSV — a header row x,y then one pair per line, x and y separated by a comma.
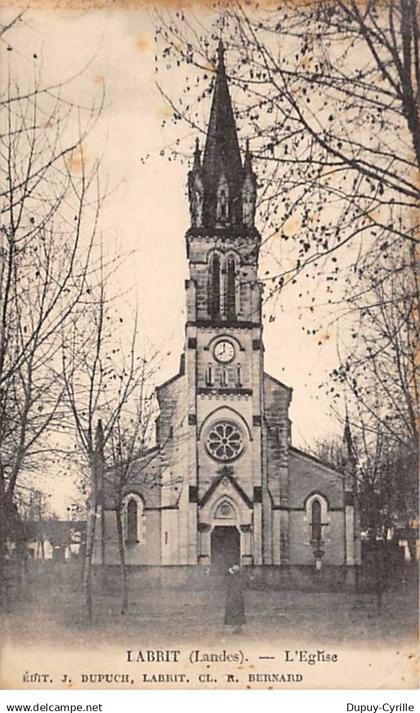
x,y
234,609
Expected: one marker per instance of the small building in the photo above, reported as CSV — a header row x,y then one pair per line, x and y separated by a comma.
x,y
50,539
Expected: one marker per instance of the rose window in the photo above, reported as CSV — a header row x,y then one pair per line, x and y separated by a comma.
x,y
224,441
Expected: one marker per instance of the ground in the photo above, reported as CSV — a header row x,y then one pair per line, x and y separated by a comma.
x,y
51,604
46,633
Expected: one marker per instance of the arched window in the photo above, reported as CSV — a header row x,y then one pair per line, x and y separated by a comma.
x,y
132,519
316,521
230,289
214,287
224,511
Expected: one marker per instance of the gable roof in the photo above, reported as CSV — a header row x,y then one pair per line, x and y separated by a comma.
x,y
277,381
313,458
234,484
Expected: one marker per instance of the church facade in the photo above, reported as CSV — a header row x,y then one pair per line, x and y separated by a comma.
x,y
224,484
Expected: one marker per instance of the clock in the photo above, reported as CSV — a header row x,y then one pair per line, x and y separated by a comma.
x,y
224,351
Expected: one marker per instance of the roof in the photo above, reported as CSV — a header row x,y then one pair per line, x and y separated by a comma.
x,y
277,381
324,463
169,381
137,457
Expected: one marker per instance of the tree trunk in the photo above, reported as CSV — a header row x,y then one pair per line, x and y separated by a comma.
x,y
87,574
20,556
99,465
378,575
3,536
123,568
103,547
377,552
95,498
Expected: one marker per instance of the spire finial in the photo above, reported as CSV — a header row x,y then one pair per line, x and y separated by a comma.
x,y
221,54
99,440
197,154
347,437
247,162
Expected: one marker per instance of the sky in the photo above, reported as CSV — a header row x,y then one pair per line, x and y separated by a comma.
x,y
146,214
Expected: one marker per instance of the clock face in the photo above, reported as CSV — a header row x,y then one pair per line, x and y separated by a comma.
x,y
224,351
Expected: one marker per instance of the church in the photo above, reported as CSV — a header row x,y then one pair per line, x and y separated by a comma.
x,y
223,485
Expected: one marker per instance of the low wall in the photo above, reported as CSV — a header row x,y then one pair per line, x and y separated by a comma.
x,y
297,578
188,577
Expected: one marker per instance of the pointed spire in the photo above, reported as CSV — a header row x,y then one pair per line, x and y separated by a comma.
x,y
248,159
222,190
249,190
221,153
348,440
99,439
222,141
99,461
197,156
221,54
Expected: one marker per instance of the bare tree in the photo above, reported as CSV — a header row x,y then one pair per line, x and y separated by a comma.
x,y
129,459
378,378
380,369
104,378
49,209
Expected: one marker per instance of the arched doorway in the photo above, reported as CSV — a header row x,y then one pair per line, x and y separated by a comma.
x,y
225,547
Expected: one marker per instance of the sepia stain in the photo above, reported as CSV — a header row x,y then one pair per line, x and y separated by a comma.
x,y
143,43
323,338
291,225
77,160
164,111
375,215
414,665
99,79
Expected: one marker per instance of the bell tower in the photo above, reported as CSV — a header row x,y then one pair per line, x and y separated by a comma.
x,y
224,353
222,196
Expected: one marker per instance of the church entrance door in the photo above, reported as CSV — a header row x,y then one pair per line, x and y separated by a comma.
x,y
225,548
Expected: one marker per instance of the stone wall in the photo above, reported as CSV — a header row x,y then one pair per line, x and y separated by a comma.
x,y
144,552
309,476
